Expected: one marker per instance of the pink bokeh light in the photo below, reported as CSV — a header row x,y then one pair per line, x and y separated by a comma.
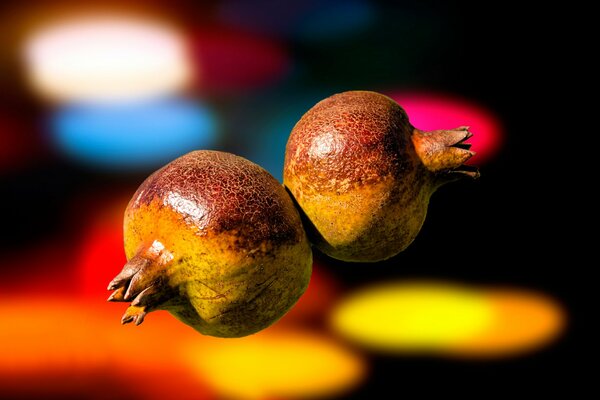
x,y
432,111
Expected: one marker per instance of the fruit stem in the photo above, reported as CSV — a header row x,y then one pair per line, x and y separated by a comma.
x,y
444,152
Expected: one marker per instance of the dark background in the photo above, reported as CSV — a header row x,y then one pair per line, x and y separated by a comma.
x,y
509,228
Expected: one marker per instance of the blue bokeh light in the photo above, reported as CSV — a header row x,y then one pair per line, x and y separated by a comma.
x,y
335,20
304,20
133,136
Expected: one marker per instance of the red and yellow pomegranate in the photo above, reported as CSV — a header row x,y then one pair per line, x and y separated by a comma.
x,y
215,240
363,175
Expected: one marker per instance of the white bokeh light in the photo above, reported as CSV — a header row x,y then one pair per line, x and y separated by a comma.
x,y
106,59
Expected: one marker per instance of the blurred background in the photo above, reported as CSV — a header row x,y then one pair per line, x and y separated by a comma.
x,y
95,97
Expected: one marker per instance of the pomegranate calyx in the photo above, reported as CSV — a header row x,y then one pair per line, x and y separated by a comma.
x,y
143,281
444,152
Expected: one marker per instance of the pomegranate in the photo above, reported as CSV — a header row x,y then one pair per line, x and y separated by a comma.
x,y
215,240
363,175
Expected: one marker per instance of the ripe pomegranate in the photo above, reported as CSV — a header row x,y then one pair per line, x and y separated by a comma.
x,y
215,240
363,175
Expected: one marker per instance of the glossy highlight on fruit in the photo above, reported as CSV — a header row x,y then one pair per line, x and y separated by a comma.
x,y
363,175
216,241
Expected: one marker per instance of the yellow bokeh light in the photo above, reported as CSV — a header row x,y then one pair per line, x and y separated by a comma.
x,y
412,316
106,58
276,363
448,319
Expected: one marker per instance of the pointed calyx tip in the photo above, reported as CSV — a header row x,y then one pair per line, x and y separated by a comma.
x,y
445,151
117,295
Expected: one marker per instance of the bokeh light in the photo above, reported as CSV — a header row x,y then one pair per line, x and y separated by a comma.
x,y
228,60
448,319
277,364
305,20
106,58
259,15
52,339
431,111
523,320
136,135
415,317
100,256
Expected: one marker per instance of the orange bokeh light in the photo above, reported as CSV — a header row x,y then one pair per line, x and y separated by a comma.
x,y
55,340
524,321
58,339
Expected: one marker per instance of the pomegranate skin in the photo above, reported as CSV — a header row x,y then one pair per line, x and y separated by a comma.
x,y
363,175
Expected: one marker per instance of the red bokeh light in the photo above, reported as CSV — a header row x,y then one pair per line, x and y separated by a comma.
x,y
431,111
230,60
101,255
